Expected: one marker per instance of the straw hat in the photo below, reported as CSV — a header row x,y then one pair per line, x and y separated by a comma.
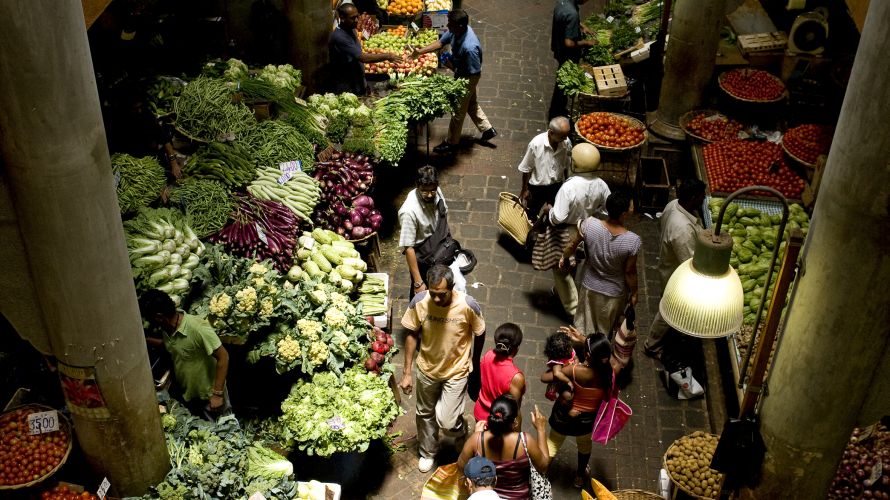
x,y
585,158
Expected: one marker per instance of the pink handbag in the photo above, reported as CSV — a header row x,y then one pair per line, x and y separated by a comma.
x,y
613,414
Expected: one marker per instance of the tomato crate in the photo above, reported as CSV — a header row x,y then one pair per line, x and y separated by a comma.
x,y
610,80
762,42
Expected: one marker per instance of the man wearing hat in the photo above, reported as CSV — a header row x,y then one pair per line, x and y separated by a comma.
x,y
481,477
582,195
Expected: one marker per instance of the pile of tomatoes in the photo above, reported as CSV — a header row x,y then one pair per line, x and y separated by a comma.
x,y
610,130
736,164
714,127
807,142
752,84
25,457
62,492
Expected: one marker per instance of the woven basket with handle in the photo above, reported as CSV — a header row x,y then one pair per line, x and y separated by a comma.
x,y
636,495
512,217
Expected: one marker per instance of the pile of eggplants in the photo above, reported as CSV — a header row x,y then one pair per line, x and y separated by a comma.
x,y
344,206
260,229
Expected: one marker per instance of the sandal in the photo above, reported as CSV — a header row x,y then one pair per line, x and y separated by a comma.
x,y
579,480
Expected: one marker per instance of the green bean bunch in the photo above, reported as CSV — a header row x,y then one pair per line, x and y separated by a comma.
x,y
272,142
205,111
207,203
139,180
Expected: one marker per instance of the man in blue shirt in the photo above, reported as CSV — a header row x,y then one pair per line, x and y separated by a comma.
x,y
347,68
466,63
567,43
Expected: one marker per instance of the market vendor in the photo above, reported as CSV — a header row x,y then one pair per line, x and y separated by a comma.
x,y
423,226
347,61
567,43
467,63
200,362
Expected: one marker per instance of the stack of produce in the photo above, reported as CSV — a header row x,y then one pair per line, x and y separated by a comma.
x,y
864,471
139,181
161,92
572,79
328,334
688,462
260,229
295,190
206,203
434,5
735,164
63,492
283,76
404,8
752,85
217,460
372,296
808,142
367,23
380,351
205,111
342,111
622,25
610,130
229,164
26,457
164,251
327,257
416,99
425,64
273,142
240,296
344,207
755,235
714,127
329,414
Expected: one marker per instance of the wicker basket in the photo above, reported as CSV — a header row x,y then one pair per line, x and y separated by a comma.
x,y
631,121
748,72
677,483
636,495
512,217
64,425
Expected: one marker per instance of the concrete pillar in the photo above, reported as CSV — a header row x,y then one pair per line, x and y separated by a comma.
x,y
836,335
689,64
56,167
310,23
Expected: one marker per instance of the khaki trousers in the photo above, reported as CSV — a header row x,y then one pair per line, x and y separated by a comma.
x,y
440,405
468,105
598,313
555,440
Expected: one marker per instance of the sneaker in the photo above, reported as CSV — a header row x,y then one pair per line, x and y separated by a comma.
x,y
652,353
445,148
425,464
489,134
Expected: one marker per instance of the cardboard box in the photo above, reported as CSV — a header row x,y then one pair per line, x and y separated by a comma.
x,y
610,80
762,42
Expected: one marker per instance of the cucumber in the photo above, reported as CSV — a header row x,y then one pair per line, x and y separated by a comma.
x,y
322,262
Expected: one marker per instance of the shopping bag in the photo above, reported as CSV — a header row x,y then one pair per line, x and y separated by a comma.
x,y
540,485
446,483
688,387
611,417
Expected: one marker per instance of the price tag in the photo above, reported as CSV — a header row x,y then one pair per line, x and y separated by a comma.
x,y
117,179
637,30
43,422
366,34
288,170
588,75
103,488
414,26
261,234
335,423
610,19
876,471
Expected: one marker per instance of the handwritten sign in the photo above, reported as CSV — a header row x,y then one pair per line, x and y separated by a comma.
x,y
288,170
261,234
103,488
43,422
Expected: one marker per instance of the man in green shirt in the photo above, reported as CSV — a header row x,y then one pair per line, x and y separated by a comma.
x,y
200,362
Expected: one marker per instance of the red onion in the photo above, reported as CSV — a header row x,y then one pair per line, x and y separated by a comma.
x,y
356,218
363,201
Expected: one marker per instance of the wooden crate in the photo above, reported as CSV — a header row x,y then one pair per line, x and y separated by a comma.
x,y
610,80
762,42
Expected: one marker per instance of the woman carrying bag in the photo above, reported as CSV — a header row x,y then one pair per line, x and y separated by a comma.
x,y
591,385
514,453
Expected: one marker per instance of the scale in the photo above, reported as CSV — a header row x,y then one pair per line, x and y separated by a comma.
x,y
809,32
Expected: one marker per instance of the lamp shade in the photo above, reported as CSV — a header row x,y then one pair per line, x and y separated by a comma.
x,y
703,305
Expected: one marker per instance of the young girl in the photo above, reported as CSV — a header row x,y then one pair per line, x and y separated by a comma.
x,y
560,353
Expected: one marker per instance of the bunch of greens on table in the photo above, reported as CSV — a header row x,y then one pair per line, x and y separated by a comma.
x,y
207,204
327,415
572,79
139,181
216,461
273,142
205,111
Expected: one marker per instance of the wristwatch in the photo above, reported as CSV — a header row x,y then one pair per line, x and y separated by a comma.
x,y
218,393
418,284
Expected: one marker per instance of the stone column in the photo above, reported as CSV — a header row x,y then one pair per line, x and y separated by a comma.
x,y
58,173
310,24
691,52
836,334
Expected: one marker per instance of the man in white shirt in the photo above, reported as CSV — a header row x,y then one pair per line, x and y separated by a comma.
x,y
678,226
547,159
481,476
419,217
579,197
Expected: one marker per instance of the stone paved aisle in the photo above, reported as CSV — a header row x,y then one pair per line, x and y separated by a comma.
x,y
514,91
